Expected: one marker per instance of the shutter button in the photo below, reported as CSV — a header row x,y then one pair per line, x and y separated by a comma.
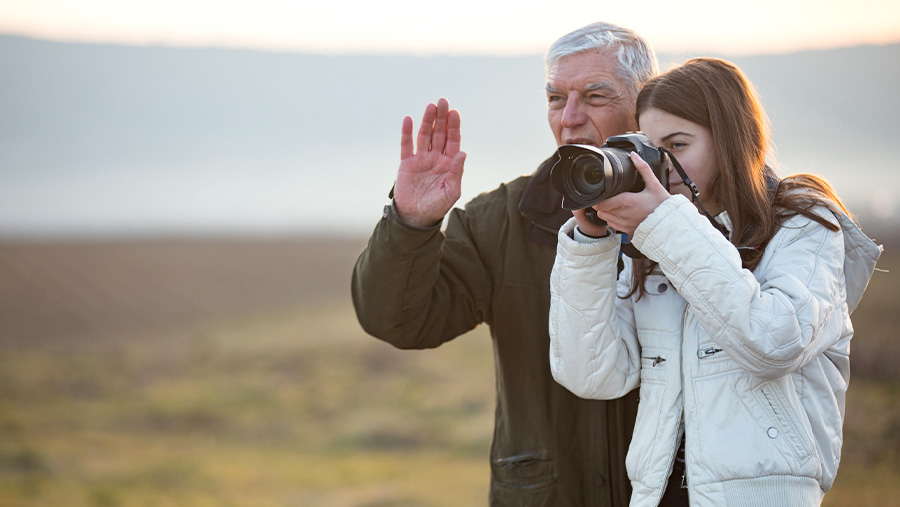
x,y
662,288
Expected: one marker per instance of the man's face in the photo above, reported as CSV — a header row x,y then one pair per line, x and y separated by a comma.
x,y
587,100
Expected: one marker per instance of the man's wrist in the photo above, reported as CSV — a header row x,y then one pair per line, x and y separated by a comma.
x,y
391,209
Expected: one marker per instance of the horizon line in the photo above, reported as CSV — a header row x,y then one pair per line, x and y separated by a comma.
x,y
268,48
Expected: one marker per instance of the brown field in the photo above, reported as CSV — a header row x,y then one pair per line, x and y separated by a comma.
x,y
233,372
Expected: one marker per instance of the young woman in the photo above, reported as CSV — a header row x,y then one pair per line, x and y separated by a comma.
x,y
735,325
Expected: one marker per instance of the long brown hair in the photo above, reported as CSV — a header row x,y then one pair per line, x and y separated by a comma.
x,y
714,93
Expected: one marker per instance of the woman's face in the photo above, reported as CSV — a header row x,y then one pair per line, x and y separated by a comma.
x,y
692,145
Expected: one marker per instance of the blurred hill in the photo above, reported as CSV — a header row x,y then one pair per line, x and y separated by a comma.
x,y
104,140
83,291
78,292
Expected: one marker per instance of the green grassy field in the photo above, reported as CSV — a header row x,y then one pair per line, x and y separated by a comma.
x,y
288,402
285,409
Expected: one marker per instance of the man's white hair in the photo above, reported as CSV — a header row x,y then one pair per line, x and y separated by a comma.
x,y
637,61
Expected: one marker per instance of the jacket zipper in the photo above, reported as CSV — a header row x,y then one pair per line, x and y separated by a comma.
x,y
684,400
671,464
656,360
707,352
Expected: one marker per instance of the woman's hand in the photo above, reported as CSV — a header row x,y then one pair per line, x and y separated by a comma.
x,y
624,212
588,227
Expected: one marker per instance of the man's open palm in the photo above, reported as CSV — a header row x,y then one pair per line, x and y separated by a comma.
x,y
428,182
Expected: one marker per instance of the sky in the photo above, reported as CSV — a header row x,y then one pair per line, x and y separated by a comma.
x,y
457,27
460,27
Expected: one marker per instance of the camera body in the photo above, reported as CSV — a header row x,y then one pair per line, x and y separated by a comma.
x,y
586,175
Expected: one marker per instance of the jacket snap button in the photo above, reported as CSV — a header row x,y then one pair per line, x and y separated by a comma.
x,y
773,433
662,288
599,480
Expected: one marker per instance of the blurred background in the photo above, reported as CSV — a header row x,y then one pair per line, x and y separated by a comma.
x,y
185,185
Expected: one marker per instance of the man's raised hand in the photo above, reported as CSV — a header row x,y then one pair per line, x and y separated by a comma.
x,y
428,182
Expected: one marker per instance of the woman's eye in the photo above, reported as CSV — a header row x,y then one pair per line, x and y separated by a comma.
x,y
677,145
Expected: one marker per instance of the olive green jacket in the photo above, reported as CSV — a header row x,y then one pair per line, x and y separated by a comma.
x,y
418,288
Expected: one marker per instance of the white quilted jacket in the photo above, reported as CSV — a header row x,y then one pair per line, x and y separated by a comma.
x,y
756,363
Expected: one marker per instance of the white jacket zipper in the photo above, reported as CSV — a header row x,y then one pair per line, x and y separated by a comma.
x,y
684,401
678,420
707,352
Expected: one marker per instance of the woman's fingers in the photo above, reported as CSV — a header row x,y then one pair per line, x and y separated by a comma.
x,y
650,180
625,211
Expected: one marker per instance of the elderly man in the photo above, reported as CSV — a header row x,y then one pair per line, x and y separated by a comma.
x,y
416,287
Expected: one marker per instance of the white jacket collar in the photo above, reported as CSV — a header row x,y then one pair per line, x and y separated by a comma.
x,y
860,256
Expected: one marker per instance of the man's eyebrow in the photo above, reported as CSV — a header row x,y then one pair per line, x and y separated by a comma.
x,y
599,86
589,88
673,134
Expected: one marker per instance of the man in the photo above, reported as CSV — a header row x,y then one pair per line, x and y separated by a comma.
x,y
415,287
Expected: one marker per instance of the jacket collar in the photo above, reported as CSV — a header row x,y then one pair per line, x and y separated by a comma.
x,y
541,205
860,256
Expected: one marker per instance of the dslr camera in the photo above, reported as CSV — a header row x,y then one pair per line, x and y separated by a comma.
x,y
586,175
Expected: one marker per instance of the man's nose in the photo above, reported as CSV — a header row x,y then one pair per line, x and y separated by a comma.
x,y
573,114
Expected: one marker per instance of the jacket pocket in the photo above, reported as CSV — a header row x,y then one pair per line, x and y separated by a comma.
x,y
783,423
744,427
528,471
712,360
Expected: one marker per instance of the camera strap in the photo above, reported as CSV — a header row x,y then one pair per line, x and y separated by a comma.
x,y
695,193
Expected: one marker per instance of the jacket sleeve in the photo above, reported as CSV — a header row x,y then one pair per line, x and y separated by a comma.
x,y
417,288
594,351
772,325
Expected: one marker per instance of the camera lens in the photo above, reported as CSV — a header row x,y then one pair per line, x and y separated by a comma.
x,y
590,169
587,174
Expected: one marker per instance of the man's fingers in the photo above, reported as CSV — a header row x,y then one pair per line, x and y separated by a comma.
x,y
439,133
458,162
423,142
453,133
406,138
